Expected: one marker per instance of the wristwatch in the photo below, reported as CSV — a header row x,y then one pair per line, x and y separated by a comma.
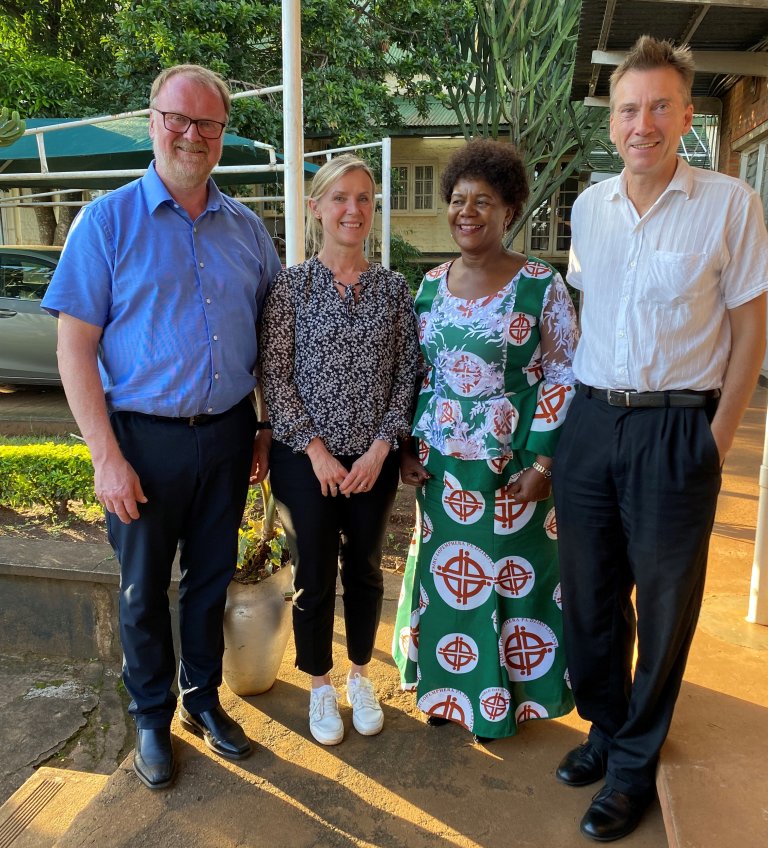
x,y
541,469
263,425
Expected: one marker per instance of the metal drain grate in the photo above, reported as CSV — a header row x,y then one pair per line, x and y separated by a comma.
x,y
27,811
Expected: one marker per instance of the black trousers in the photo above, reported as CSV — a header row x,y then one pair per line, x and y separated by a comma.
x,y
196,481
635,496
327,535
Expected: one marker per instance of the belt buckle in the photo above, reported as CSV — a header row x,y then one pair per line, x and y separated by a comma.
x,y
193,420
617,397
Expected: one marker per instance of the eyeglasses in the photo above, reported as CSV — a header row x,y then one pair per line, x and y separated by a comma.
x,y
177,123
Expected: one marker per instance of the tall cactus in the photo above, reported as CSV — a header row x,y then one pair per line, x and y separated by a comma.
x,y
11,126
522,54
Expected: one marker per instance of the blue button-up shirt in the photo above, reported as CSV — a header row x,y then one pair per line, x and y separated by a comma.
x,y
178,300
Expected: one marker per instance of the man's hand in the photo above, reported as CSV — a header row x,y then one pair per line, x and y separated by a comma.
x,y
260,462
118,489
366,469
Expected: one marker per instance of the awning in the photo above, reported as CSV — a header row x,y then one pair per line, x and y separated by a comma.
x,y
119,145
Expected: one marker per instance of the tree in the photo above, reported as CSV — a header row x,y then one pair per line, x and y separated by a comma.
x,y
50,54
521,55
356,55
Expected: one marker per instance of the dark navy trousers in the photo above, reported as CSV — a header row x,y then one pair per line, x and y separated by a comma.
x,y
196,481
635,496
328,535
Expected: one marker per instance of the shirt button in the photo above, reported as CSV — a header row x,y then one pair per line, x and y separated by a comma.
x,y
194,229
621,334
202,264
207,300
215,376
210,409
632,264
215,338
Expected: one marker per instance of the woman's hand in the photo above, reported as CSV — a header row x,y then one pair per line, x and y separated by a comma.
x,y
412,472
532,485
365,470
328,470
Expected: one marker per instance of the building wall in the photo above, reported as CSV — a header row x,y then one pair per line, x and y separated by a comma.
x,y
744,123
745,128
428,230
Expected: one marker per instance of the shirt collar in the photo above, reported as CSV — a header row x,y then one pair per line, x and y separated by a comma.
x,y
157,194
682,180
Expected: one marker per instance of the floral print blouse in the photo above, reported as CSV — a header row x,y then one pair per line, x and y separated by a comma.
x,y
333,367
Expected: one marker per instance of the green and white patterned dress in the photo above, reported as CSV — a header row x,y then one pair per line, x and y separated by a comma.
x,y
478,632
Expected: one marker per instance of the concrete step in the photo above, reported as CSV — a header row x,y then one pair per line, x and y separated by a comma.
x,y
42,810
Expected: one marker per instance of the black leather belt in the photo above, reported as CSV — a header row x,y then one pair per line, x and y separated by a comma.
x,y
632,400
189,420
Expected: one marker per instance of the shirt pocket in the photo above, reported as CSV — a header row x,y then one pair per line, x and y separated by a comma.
x,y
673,278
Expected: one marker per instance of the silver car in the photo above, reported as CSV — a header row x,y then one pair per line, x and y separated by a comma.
x,y
27,334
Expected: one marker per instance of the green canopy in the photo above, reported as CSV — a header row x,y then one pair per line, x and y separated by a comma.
x,y
117,145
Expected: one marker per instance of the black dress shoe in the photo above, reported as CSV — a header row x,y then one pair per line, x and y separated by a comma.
x,y
153,759
612,814
221,734
582,766
437,721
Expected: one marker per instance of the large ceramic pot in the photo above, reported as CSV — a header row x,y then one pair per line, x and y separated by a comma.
x,y
257,624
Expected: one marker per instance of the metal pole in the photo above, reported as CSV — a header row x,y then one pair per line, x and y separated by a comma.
x,y
293,133
386,199
758,590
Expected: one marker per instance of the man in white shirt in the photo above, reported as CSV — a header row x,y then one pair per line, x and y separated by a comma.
x,y
672,265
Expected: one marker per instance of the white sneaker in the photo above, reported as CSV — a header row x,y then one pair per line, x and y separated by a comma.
x,y
367,716
325,723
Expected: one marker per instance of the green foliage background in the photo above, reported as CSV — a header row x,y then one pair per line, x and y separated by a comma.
x,y
46,474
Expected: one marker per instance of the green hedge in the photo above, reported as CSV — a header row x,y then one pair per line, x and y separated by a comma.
x,y
47,475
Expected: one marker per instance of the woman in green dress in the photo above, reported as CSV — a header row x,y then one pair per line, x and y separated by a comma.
x,y
478,633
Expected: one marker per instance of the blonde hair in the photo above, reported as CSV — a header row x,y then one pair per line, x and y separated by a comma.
x,y
328,174
649,53
199,74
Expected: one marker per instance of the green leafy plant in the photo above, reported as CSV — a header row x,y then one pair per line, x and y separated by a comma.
x,y
11,126
46,474
404,258
261,546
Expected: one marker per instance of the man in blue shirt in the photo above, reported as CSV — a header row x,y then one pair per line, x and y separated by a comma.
x,y
158,293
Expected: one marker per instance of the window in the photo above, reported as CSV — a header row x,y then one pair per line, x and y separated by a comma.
x,y
25,277
754,170
413,188
399,194
549,227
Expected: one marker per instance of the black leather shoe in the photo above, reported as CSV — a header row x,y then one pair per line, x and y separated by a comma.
x,y
221,734
437,721
612,814
153,759
582,766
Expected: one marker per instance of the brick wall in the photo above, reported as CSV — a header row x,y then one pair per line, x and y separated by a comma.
x,y
745,107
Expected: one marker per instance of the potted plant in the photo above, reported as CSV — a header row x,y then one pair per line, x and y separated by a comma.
x,y
257,621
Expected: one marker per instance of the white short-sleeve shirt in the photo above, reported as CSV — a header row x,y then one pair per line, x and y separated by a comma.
x,y
656,289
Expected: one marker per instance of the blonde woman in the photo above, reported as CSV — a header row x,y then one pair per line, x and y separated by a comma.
x,y
338,357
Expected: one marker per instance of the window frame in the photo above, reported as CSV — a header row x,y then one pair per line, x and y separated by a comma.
x,y
410,188
573,185
760,182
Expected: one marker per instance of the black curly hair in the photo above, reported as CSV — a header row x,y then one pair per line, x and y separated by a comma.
x,y
496,162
